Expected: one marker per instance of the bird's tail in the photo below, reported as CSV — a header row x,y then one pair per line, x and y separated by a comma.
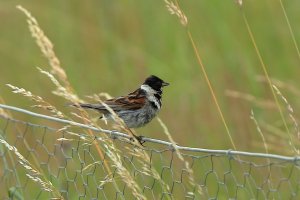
x,y
96,107
86,105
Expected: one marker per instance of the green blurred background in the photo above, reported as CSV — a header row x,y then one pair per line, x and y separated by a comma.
x,y
111,46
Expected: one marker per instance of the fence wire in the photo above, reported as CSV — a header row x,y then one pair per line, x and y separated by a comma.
x,y
73,167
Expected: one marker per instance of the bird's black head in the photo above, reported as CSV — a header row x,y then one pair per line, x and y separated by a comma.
x,y
155,83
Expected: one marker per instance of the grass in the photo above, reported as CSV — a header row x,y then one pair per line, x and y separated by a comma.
x,y
207,48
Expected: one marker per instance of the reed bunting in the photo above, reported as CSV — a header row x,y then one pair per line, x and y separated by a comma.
x,y
137,108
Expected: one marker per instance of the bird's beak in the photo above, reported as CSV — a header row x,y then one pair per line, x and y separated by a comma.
x,y
165,84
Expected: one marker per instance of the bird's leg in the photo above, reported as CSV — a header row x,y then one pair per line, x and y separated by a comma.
x,y
133,136
139,138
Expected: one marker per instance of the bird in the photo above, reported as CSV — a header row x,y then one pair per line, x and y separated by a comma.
x,y
137,108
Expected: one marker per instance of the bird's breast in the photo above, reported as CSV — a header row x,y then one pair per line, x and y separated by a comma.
x,y
154,102
139,117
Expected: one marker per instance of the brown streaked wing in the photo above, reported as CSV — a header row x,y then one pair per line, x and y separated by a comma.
x,y
134,100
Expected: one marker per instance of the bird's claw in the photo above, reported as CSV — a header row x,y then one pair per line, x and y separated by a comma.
x,y
139,139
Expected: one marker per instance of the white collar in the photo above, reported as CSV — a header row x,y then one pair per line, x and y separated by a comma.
x,y
149,90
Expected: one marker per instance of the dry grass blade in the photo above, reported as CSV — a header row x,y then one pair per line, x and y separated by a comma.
x,y
41,102
266,73
60,90
46,46
83,118
4,113
248,97
290,28
63,89
259,131
32,173
175,10
123,172
291,116
280,84
25,93
187,166
239,2
148,170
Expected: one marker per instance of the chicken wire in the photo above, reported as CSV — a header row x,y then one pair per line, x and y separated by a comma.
x,y
72,165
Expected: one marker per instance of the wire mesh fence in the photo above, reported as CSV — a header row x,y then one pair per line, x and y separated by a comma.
x,y
46,162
